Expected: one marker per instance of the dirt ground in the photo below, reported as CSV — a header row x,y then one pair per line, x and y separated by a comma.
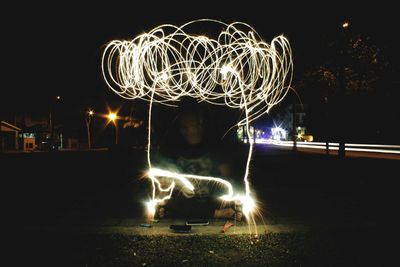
x,y
83,211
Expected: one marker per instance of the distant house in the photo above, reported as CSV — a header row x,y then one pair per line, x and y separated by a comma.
x,y
39,132
28,141
8,136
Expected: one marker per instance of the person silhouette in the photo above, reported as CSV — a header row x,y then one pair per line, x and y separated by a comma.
x,y
194,150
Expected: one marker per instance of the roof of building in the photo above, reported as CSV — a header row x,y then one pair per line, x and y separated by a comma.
x,y
5,126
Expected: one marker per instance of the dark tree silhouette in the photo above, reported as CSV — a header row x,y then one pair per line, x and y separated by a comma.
x,y
347,88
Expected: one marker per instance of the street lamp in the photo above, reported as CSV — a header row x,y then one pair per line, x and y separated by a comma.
x,y
53,111
88,119
342,88
112,116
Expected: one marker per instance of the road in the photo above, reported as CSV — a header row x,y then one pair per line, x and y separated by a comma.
x,y
352,150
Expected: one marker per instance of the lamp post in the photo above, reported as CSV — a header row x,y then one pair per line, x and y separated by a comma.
x,y
113,118
294,127
54,104
342,89
326,125
88,119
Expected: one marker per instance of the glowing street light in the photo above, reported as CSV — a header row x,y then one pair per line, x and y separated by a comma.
x,y
342,87
53,111
88,119
112,116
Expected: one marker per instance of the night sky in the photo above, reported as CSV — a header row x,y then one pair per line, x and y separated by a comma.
x,y
55,49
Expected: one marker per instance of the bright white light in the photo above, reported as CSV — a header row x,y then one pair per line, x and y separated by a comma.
x,y
278,133
373,148
248,205
112,116
224,71
151,207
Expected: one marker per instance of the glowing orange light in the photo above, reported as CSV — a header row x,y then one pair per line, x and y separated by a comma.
x,y
112,116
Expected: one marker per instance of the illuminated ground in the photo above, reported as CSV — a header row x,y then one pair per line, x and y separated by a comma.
x,y
129,246
73,209
131,226
122,242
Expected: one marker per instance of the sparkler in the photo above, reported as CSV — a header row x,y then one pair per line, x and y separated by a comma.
x,y
236,69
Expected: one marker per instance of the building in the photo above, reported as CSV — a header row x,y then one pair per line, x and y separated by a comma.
x,y
8,136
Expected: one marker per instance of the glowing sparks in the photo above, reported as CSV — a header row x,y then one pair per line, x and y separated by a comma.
x,y
248,205
151,207
236,69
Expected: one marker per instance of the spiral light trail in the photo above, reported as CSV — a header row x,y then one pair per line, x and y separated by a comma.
x,y
236,69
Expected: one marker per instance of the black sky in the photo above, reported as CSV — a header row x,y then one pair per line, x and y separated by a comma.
x,y
55,49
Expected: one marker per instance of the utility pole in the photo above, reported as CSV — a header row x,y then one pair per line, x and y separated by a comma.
x,y
116,132
326,124
113,117
294,127
53,110
254,135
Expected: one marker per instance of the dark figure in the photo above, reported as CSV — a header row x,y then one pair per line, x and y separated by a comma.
x,y
193,150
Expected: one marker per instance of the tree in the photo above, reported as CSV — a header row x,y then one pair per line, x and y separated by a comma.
x,y
351,74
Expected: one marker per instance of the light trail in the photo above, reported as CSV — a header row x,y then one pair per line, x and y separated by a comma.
x,y
371,148
236,69
374,145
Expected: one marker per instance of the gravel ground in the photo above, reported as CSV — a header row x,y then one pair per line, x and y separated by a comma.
x,y
348,207
363,247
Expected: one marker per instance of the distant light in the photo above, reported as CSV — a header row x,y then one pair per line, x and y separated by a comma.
x,y
58,97
91,112
112,116
278,133
345,24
